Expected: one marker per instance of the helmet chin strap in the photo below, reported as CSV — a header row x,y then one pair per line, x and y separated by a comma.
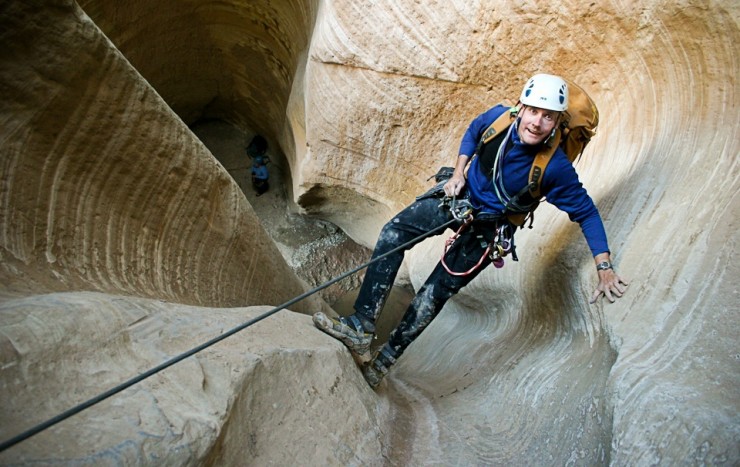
x,y
515,110
552,135
554,129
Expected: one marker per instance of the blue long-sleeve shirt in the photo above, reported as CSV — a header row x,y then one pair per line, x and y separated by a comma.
x,y
560,184
260,172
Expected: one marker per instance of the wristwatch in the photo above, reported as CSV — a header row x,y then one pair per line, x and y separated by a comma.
x,y
604,265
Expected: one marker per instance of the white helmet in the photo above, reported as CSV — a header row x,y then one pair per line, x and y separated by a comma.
x,y
546,92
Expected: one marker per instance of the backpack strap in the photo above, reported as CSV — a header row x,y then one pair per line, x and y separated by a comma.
x,y
540,163
541,160
499,125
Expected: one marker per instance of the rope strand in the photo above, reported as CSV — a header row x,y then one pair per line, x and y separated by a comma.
x,y
101,397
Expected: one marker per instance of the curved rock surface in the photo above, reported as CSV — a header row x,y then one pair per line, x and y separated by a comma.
x,y
124,241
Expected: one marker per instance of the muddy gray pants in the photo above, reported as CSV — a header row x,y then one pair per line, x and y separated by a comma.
x,y
422,216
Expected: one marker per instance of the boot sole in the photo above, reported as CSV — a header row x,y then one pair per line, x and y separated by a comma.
x,y
359,349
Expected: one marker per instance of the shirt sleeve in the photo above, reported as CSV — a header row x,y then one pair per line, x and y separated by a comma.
x,y
565,191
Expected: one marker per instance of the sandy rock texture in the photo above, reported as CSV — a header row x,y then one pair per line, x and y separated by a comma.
x,y
124,241
227,405
105,188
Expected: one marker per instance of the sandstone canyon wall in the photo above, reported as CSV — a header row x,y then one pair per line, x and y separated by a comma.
x,y
124,241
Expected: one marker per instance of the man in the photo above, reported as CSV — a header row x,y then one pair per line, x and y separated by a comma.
x,y
260,175
500,169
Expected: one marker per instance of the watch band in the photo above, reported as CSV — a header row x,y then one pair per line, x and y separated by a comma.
x,y
604,265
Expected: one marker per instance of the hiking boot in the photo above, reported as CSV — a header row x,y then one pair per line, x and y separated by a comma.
x,y
350,332
375,371
374,374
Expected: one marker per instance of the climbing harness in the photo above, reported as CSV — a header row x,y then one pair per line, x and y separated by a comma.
x,y
496,250
501,246
101,397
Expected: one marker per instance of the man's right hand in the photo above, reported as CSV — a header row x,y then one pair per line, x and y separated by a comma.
x,y
454,185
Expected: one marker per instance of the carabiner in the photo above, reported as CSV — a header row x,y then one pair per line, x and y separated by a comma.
x,y
461,210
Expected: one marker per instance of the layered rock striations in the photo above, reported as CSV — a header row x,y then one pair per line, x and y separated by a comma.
x,y
123,238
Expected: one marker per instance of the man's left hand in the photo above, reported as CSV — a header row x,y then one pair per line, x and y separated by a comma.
x,y
610,285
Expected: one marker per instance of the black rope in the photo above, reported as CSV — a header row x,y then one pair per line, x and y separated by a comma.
x,y
79,408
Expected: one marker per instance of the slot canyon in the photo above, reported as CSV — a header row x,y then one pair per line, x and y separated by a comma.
x,y
129,233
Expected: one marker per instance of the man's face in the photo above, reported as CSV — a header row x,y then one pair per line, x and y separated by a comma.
x,y
536,124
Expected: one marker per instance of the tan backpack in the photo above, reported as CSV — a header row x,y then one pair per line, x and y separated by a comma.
x,y
576,129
